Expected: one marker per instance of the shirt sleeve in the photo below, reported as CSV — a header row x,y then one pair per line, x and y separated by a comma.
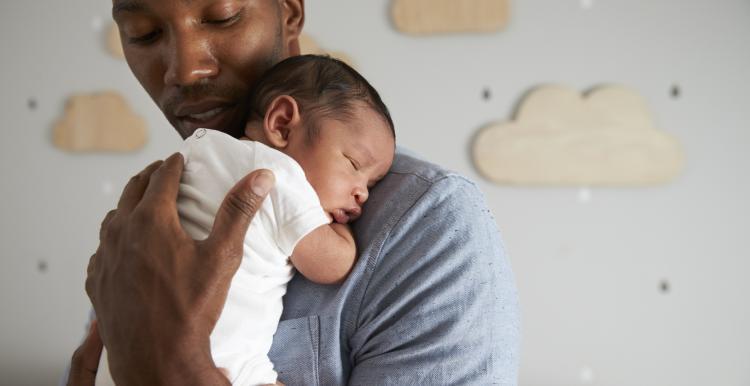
x,y
441,307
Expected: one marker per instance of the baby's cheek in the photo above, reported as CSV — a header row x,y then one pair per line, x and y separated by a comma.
x,y
329,195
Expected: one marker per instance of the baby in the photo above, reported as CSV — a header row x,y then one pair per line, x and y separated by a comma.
x,y
327,136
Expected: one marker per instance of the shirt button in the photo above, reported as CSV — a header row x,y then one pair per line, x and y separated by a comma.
x,y
200,133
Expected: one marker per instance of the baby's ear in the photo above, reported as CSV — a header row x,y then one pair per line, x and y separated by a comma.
x,y
282,117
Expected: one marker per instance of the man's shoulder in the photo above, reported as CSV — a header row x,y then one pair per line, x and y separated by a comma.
x,y
431,285
407,162
411,178
413,182
425,233
417,196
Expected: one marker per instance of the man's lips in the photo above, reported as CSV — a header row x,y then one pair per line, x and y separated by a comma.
x,y
200,110
218,116
206,114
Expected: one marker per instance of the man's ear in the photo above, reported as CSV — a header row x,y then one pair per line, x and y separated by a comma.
x,y
292,21
282,117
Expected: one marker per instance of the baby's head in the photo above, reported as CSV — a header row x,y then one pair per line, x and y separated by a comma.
x,y
326,116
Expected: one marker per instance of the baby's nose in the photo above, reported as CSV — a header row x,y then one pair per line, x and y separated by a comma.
x,y
361,195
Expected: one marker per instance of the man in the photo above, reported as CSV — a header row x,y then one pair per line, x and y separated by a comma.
x,y
431,299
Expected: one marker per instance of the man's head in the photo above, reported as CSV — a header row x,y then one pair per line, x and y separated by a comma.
x,y
326,116
199,59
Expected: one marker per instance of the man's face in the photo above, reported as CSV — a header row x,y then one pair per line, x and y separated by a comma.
x,y
199,59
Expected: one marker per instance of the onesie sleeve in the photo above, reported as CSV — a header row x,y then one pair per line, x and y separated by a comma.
x,y
296,206
297,226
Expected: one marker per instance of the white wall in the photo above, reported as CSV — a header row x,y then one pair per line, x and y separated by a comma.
x,y
589,273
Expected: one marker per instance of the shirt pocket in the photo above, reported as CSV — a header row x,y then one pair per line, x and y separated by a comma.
x,y
295,351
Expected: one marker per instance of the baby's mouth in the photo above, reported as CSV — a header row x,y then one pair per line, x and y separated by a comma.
x,y
340,216
344,216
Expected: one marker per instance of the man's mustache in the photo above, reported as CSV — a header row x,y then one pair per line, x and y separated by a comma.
x,y
197,92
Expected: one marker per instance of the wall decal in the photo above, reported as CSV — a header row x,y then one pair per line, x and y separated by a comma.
x,y
308,45
560,137
422,17
114,45
99,122
675,91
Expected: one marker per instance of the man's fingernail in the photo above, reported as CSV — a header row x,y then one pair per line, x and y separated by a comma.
x,y
262,183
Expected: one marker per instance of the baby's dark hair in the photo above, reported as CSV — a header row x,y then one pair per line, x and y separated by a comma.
x,y
323,87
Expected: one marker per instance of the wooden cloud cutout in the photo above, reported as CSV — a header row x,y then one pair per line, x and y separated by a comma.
x,y
99,122
422,17
560,137
308,45
114,45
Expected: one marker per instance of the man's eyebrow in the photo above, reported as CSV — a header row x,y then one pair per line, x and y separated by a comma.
x,y
126,6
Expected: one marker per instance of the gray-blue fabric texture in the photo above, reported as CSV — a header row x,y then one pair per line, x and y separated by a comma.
x,y
431,300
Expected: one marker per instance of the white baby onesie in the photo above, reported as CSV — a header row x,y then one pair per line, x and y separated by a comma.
x,y
214,162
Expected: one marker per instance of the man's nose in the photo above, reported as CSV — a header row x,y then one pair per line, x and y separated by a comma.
x,y
188,60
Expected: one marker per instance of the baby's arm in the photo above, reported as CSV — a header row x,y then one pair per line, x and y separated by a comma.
x,y
326,255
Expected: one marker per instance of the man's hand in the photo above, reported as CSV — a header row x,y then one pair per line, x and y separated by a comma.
x,y
85,360
157,293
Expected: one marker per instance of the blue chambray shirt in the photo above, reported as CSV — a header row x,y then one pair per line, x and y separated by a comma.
x,y
431,300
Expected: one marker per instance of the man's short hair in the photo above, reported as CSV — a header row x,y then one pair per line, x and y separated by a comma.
x,y
323,87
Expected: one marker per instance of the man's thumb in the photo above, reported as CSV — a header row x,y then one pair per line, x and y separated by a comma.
x,y
237,211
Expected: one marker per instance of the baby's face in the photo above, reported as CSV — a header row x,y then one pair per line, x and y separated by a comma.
x,y
345,160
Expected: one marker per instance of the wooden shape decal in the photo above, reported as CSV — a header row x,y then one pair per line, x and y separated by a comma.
x,y
560,137
99,122
422,17
308,45
114,45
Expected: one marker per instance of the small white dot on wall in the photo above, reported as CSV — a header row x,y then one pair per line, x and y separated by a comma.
x,y
587,4
584,195
107,188
96,23
586,375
